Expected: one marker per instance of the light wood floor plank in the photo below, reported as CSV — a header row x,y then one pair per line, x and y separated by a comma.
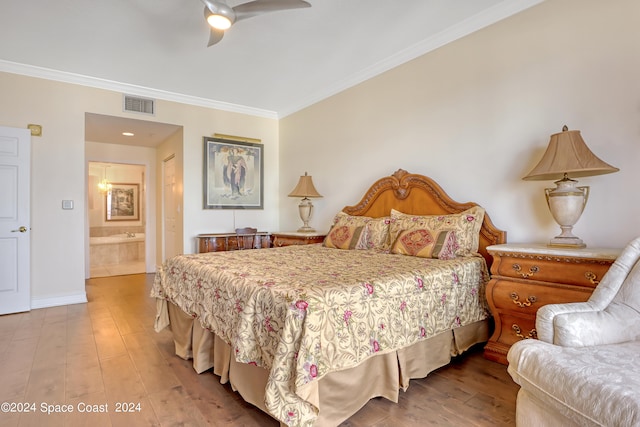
x,y
106,352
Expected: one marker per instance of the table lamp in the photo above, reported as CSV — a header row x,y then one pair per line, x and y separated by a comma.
x,y
567,155
305,189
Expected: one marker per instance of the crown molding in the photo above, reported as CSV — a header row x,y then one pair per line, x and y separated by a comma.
x,y
481,20
65,77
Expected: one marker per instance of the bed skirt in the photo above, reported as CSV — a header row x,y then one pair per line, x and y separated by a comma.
x,y
338,395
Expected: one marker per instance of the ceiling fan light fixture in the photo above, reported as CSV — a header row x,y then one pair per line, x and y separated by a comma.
x,y
219,15
219,21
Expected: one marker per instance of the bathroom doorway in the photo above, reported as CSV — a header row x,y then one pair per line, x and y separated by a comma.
x,y
116,212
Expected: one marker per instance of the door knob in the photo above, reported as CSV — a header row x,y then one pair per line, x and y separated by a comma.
x,y
22,229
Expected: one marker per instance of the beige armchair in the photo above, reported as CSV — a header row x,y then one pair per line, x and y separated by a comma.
x,y
584,369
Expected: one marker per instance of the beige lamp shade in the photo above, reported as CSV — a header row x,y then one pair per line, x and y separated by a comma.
x,y
305,189
567,154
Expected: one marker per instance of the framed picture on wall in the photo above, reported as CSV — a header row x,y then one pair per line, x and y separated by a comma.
x,y
233,174
123,202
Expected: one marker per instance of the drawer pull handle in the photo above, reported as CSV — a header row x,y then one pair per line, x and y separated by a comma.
x,y
516,300
591,277
532,333
532,270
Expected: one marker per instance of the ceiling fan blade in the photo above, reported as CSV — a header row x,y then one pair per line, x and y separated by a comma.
x,y
215,36
258,7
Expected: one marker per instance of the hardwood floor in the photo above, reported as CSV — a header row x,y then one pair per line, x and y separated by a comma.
x,y
106,352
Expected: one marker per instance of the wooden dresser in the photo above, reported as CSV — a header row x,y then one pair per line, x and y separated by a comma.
x,y
525,277
219,242
289,238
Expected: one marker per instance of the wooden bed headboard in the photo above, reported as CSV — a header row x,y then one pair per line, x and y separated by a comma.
x,y
420,195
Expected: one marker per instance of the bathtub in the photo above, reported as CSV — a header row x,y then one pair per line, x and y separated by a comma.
x,y
116,239
116,249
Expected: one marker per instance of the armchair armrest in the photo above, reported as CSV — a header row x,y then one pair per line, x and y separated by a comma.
x,y
546,317
583,324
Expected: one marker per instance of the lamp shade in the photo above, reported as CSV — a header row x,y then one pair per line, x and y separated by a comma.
x,y
305,188
568,154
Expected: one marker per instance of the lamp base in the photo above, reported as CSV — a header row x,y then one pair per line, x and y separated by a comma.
x,y
305,208
567,242
566,203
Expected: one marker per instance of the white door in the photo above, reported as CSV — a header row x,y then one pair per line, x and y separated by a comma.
x,y
169,209
15,281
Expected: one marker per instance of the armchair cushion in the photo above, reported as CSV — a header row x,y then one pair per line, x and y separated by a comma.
x,y
585,386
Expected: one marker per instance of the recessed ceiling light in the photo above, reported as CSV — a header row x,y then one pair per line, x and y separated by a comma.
x,y
127,133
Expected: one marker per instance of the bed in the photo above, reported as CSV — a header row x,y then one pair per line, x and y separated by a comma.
x,y
310,333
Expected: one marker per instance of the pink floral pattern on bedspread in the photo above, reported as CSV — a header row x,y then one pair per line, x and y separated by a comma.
x,y
304,311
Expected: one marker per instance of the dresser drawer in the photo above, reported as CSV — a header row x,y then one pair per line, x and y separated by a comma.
x,y
564,270
519,296
515,328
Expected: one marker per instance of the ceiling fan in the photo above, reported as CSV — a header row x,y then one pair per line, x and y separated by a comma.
x,y
221,16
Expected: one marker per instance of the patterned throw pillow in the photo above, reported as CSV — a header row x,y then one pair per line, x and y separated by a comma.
x,y
424,243
344,237
466,226
358,232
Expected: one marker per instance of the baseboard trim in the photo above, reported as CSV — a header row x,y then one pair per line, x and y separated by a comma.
x,y
78,298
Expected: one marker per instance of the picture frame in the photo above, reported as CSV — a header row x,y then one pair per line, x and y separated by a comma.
x,y
122,202
233,174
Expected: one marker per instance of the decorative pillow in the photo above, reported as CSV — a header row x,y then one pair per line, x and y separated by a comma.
x,y
358,232
344,237
466,226
424,243
377,234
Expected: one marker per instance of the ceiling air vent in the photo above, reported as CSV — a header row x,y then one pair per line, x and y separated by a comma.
x,y
139,105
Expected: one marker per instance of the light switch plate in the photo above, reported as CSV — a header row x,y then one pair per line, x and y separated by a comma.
x,y
67,204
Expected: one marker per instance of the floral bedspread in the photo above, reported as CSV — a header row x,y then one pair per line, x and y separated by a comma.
x,y
304,311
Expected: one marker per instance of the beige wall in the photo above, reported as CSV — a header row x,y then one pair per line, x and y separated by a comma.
x,y
59,172
476,115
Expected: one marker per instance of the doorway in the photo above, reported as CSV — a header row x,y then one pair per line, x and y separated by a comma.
x,y
116,210
113,141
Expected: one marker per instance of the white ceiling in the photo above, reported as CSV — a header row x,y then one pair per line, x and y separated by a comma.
x,y
270,65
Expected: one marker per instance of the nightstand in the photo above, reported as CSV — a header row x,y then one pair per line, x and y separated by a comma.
x,y
525,277
288,238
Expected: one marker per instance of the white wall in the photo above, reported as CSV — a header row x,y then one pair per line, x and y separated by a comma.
x,y
476,115
58,237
